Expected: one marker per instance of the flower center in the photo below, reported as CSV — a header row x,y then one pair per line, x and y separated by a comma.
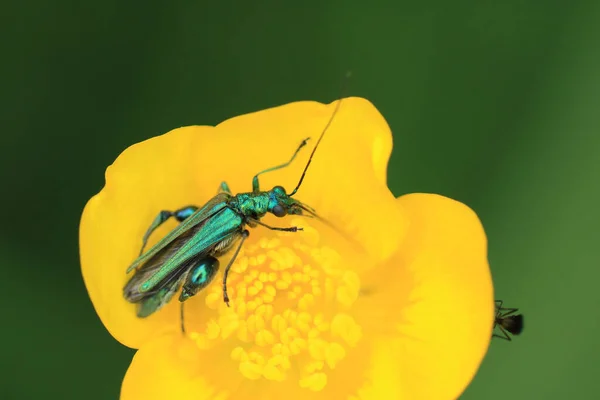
x,y
291,298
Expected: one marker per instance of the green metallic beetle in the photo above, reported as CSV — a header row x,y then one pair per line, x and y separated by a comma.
x,y
187,257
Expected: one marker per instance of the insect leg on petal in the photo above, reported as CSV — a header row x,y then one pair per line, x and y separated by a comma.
x,y
245,234
163,216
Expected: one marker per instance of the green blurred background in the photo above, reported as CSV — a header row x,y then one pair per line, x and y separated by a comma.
x,y
493,103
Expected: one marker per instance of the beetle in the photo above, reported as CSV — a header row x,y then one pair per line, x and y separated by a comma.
x,y
187,258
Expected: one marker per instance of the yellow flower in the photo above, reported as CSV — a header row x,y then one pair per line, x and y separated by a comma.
x,y
398,307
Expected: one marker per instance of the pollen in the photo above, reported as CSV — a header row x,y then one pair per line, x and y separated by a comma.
x,y
290,315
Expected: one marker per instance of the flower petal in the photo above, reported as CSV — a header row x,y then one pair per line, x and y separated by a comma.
x,y
186,166
441,282
171,366
166,368
148,177
348,171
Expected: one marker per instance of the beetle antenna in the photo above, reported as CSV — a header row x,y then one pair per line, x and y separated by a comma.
x,y
310,213
337,107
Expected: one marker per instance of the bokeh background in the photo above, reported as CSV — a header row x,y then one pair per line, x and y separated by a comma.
x,y
493,103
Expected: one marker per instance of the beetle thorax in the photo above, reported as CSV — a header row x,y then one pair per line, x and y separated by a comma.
x,y
254,205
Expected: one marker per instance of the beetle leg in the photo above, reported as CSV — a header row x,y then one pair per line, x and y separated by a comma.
x,y
180,215
181,317
276,228
245,235
224,188
256,185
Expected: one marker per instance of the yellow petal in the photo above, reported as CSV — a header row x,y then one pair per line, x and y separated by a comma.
x,y
166,368
171,366
438,297
148,177
347,179
346,184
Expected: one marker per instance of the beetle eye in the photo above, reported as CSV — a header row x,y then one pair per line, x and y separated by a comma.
x,y
279,211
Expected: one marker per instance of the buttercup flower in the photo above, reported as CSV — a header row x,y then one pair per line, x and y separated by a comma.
x,y
396,303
